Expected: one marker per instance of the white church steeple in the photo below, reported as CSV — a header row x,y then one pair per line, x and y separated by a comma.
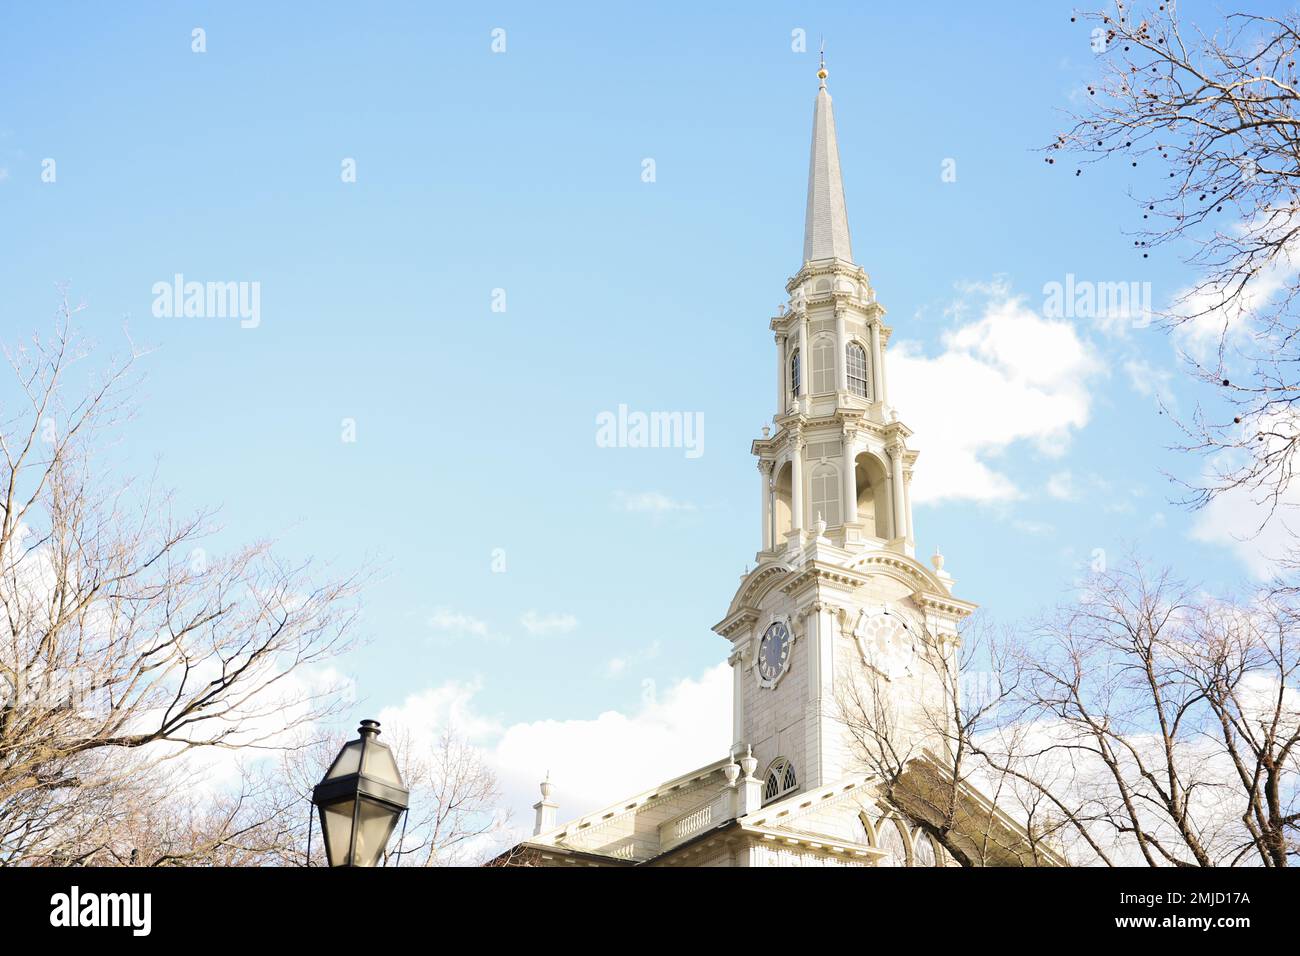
x,y
839,454
826,225
837,594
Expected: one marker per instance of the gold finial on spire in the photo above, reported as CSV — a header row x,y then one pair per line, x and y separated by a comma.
x,y
821,70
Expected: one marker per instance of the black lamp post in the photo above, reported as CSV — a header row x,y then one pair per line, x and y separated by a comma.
x,y
360,800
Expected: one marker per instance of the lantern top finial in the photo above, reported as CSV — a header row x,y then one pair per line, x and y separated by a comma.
x,y
369,728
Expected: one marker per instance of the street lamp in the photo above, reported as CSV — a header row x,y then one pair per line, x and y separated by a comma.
x,y
360,800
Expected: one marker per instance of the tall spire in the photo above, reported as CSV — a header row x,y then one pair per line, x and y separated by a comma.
x,y
826,227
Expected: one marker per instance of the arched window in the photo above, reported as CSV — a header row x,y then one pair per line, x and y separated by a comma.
x,y
780,779
794,374
889,837
826,494
926,854
855,362
823,365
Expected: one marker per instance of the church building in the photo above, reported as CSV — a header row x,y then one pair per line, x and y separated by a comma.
x,y
842,644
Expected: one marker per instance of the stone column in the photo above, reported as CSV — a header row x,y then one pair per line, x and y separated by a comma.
x,y
738,670
803,355
849,484
771,510
796,483
812,727
877,364
781,401
814,656
907,508
841,359
900,506
764,475
821,727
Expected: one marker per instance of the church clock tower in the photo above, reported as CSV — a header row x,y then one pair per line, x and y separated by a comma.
x,y
843,644
837,599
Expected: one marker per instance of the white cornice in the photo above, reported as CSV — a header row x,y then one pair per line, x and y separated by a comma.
x,y
826,267
743,611
944,604
740,621
823,573
817,843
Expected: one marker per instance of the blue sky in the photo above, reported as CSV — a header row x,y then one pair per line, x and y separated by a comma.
x,y
521,171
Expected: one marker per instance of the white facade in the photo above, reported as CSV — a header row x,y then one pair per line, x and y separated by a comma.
x,y
837,607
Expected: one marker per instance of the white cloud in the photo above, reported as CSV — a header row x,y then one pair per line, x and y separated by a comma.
x,y
1009,377
535,623
1246,520
460,624
1213,317
1061,485
4,173
422,716
457,623
618,666
592,761
1032,527
1240,519
1151,382
653,502
1234,519
598,760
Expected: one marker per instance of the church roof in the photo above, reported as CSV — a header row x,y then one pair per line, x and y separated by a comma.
x,y
656,824
642,826
826,225
662,825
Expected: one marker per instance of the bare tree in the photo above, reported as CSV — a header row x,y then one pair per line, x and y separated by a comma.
x,y
1145,724
917,737
1159,726
126,651
1216,115
1246,663
1164,721
171,818
454,797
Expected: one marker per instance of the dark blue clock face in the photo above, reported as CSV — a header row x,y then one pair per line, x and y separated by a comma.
x,y
773,651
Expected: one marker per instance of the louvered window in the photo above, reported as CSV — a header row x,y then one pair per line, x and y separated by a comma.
x,y
823,366
826,494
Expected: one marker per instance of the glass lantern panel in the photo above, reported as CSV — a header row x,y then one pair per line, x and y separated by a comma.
x,y
348,761
336,824
375,823
381,765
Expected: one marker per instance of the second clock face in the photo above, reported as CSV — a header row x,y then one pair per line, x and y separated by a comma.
x,y
774,651
887,643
